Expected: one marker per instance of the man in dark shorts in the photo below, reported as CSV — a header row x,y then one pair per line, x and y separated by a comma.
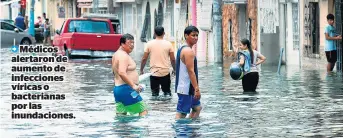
x,y
161,57
330,43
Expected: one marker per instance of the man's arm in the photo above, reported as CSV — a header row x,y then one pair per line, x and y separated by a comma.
x,y
189,61
172,59
122,67
144,59
327,37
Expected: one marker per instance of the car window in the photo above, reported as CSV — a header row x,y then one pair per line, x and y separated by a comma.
x,y
87,26
7,26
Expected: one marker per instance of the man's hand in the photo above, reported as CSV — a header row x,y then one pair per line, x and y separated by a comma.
x,y
197,94
141,72
137,88
339,37
173,73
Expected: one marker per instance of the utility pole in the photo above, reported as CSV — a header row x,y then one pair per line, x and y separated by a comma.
x,y
32,19
95,6
110,8
217,31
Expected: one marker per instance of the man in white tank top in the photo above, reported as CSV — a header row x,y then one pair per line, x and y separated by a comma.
x,y
186,82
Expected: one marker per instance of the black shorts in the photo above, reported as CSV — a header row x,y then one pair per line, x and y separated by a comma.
x,y
156,82
331,56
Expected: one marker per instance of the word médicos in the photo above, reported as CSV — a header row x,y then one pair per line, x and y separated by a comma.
x,y
37,49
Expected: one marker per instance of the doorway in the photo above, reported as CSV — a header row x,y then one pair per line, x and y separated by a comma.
x,y
314,27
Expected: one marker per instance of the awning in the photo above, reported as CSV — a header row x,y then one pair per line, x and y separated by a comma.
x,y
125,0
84,3
84,0
8,2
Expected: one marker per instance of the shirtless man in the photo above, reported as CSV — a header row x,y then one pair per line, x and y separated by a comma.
x,y
126,90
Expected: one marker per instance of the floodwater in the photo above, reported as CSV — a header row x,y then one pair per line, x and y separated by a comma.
x,y
298,103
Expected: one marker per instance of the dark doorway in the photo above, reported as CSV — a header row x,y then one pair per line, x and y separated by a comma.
x,y
249,29
230,35
314,21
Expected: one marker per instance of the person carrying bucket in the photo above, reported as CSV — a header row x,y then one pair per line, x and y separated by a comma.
x,y
248,60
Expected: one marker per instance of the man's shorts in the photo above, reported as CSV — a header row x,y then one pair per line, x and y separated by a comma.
x,y
155,83
185,103
331,56
125,103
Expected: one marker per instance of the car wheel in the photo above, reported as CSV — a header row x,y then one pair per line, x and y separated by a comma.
x,y
25,41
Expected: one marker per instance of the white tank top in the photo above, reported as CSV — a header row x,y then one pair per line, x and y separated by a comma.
x,y
184,81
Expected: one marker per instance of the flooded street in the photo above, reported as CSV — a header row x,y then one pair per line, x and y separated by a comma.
x,y
297,103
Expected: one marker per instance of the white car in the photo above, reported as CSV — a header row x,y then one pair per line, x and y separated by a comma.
x,y
10,32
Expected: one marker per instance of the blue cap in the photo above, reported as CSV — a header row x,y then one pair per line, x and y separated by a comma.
x,y
19,13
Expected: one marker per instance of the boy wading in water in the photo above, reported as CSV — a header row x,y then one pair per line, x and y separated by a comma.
x,y
186,83
249,59
126,90
330,43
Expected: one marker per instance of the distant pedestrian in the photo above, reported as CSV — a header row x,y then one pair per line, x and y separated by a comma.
x,y
19,21
46,27
330,43
249,59
161,57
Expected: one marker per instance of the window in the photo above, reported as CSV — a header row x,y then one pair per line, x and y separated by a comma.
x,y
86,26
295,26
128,18
6,26
230,35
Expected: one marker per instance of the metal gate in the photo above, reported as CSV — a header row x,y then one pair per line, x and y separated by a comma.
x,y
338,21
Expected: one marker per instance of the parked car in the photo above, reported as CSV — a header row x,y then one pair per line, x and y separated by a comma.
x,y
87,37
112,17
9,32
8,20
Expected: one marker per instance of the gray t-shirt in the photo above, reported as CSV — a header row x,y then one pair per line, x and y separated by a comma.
x,y
253,66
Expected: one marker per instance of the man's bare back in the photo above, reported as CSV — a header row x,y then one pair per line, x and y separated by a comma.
x,y
123,60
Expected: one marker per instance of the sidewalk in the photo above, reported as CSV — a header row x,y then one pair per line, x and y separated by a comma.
x,y
313,63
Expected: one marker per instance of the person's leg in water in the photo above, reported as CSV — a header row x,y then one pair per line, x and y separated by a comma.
x,y
330,67
196,108
165,85
126,103
184,105
145,112
195,112
155,86
254,81
331,58
180,115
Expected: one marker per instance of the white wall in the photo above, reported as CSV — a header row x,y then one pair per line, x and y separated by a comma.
x,y
291,54
5,11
